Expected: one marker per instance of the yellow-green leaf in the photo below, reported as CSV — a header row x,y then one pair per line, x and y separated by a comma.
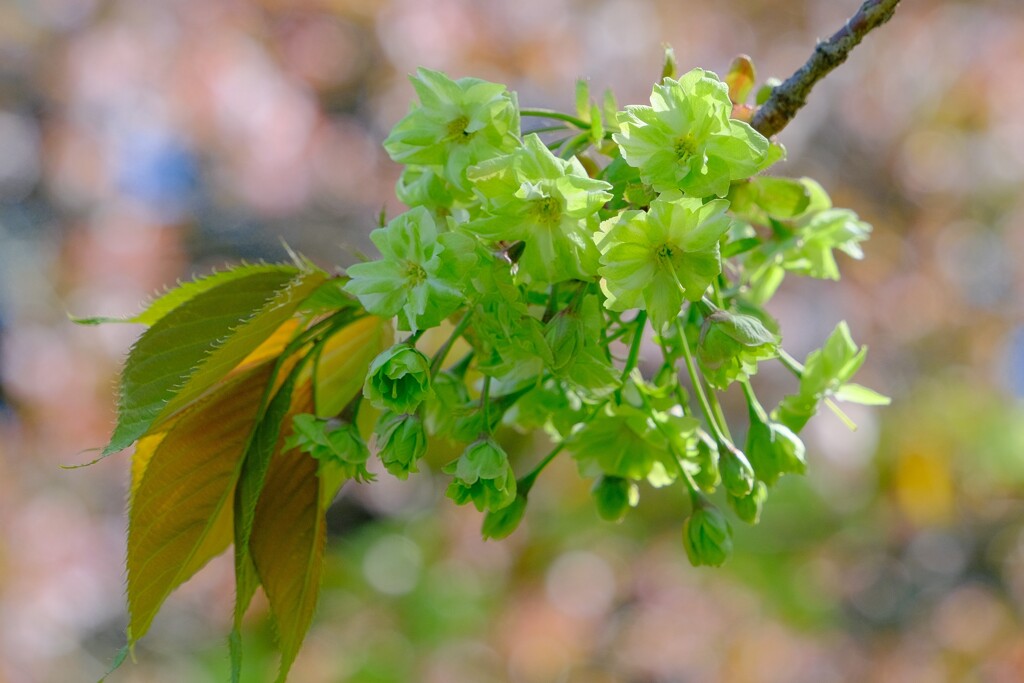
x,y
168,353
266,440
244,340
288,539
179,516
186,291
342,361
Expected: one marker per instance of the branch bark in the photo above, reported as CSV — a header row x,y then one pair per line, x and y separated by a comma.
x,y
788,98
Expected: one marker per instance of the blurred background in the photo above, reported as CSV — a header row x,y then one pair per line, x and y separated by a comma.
x,y
145,142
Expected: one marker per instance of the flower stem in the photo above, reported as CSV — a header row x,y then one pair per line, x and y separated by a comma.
x,y
485,403
634,347
698,388
438,361
792,364
753,405
526,482
556,116
574,145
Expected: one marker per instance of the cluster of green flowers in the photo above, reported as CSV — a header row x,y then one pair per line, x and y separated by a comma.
x,y
551,257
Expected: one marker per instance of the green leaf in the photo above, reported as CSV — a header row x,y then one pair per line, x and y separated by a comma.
x,y
856,393
168,353
342,360
244,339
583,99
781,197
329,298
266,440
118,660
187,291
287,545
178,519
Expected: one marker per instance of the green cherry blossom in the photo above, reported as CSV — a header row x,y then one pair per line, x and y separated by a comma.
x,y
458,124
686,141
550,204
656,259
421,273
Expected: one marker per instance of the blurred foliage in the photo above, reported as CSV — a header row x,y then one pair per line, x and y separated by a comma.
x,y
146,142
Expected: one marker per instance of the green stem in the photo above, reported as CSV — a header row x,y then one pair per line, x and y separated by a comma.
x,y
698,388
634,347
485,402
574,145
753,404
792,364
846,420
435,364
544,129
555,144
556,116
552,305
716,408
526,482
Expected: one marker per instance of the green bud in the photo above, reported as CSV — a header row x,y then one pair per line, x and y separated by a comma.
x,y
765,91
730,346
398,379
402,441
737,473
499,524
775,450
707,536
564,336
483,475
614,496
748,508
706,457
669,67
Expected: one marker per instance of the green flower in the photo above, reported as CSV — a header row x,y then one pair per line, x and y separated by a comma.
x,y
402,441
731,344
707,536
458,124
499,524
686,141
736,470
483,475
421,186
621,441
774,450
335,446
705,457
398,379
748,508
421,274
549,203
613,497
654,260
817,238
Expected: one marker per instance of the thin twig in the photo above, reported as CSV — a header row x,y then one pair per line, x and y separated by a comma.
x,y
787,98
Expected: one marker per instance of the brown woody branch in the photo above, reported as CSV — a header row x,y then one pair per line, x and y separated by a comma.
x,y
787,98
